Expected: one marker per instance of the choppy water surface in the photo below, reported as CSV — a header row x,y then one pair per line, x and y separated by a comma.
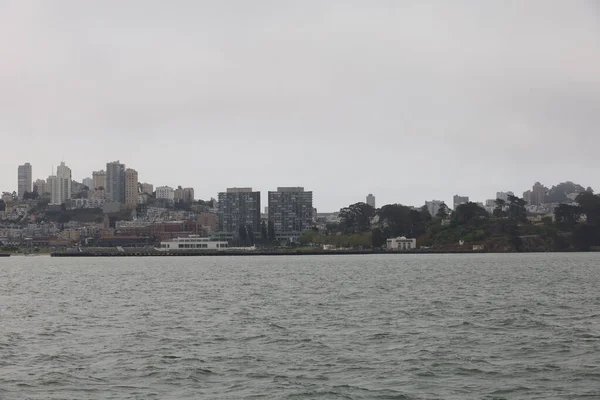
x,y
347,327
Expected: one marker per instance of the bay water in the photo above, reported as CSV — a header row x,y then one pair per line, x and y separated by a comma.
x,y
484,326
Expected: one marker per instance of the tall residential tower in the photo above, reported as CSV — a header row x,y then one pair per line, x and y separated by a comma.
x,y
115,182
290,212
239,210
24,180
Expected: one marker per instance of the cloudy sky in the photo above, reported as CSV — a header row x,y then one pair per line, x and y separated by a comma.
x,y
409,100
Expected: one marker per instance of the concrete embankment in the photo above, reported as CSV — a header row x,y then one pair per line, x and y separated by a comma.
x,y
133,253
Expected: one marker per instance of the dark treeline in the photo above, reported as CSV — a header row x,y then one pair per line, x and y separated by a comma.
x,y
576,227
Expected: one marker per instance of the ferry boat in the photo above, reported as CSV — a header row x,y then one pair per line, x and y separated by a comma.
x,y
192,242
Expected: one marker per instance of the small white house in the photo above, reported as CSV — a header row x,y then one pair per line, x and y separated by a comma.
x,y
401,243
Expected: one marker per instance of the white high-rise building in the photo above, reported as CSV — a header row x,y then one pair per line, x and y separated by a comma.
x,y
165,192
371,200
61,185
24,180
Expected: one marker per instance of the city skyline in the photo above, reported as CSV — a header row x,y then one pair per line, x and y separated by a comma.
x,y
451,202
469,99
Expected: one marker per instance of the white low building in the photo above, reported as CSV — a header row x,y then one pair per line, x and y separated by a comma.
x,y
193,242
401,243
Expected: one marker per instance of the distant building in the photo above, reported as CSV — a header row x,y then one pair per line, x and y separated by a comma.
x,y
504,195
115,182
371,200
89,182
188,195
239,208
401,243
433,206
185,195
131,188
538,194
209,221
40,187
458,200
147,188
98,180
527,196
24,180
165,192
61,185
290,211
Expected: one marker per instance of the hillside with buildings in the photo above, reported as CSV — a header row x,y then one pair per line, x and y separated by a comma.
x,y
114,208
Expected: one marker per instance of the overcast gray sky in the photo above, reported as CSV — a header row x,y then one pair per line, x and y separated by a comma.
x,y
409,100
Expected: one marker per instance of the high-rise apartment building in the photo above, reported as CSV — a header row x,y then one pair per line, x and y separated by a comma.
x,y
188,195
290,211
24,180
40,187
115,182
98,180
61,185
371,200
89,182
131,188
239,208
458,200
538,194
527,196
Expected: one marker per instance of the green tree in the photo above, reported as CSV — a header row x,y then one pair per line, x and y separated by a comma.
x,y
309,236
567,215
356,217
468,212
558,193
590,206
516,208
425,214
378,239
2,205
442,212
499,209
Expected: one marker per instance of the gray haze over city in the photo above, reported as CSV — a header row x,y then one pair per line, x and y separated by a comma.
x,y
408,100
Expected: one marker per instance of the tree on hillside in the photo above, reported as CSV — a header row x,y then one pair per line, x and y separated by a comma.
x,y
425,214
468,212
398,220
356,217
558,193
2,205
499,209
516,208
567,215
590,206
442,211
